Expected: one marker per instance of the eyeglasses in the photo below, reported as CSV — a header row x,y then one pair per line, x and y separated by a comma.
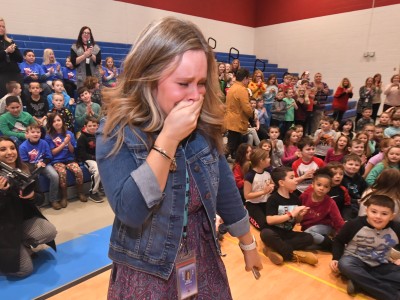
x,y
86,33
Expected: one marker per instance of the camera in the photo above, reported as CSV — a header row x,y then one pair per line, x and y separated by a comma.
x,y
18,179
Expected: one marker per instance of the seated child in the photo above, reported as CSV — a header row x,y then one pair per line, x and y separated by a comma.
x,y
62,145
339,150
394,128
324,137
323,218
69,77
36,153
353,181
305,166
51,66
241,166
391,160
361,251
58,107
384,146
93,85
257,187
14,122
366,118
277,146
357,147
13,89
110,75
32,72
37,105
86,153
85,108
58,88
284,210
338,192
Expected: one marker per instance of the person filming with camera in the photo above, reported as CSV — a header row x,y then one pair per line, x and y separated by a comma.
x,y
22,226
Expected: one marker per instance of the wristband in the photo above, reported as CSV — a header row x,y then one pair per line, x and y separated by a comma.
x,y
249,247
165,155
290,215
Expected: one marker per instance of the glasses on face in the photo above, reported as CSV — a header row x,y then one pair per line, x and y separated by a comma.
x,y
86,33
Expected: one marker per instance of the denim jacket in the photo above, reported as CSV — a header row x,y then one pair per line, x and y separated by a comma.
x,y
148,223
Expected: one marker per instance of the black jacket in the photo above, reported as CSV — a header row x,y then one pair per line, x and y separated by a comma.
x,y
13,212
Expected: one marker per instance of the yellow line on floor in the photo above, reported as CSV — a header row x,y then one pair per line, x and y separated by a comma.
x,y
233,241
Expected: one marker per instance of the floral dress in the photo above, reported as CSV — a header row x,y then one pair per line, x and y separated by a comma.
x,y
128,283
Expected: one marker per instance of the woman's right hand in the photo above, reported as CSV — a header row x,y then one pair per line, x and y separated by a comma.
x,y
89,52
4,185
182,119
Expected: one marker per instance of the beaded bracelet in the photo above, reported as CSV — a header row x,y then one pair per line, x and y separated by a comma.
x,y
164,153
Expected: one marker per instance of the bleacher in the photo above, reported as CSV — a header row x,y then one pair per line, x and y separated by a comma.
x,y
62,47
118,51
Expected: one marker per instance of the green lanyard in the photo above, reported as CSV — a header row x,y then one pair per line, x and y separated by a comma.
x,y
185,215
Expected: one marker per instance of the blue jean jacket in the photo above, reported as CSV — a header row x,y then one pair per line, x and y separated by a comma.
x,y
148,223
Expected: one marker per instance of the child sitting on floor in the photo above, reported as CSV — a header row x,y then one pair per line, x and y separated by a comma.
x,y
284,210
258,187
361,251
323,218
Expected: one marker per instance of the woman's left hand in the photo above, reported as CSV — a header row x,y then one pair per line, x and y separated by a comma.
x,y
29,196
252,260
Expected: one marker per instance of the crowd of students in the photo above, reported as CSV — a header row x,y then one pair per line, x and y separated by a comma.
x,y
337,183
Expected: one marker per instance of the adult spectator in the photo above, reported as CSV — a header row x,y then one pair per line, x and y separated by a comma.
x,y
392,93
235,65
376,100
367,93
22,226
238,110
319,101
10,56
85,56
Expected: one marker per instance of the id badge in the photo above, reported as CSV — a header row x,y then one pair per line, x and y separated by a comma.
x,y
186,276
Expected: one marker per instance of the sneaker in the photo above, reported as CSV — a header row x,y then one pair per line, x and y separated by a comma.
x,y
305,257
82,197
351,288
56,205
95,197
64,202
273,256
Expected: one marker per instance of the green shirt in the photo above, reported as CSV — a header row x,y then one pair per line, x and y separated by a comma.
x,y
289,116
15,126
80,114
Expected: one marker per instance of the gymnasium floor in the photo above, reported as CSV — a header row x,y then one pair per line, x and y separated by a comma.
x,y
80,268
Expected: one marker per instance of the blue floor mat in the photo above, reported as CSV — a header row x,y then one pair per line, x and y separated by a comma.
x,y
52,270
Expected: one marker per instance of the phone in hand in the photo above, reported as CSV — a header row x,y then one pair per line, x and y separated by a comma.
x,y
256,273
89,43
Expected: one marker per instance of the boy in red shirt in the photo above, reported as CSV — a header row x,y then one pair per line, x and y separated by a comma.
x,y
323,218
306,165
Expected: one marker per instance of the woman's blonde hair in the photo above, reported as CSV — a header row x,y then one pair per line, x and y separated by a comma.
x,y
46,56
5,32
153,56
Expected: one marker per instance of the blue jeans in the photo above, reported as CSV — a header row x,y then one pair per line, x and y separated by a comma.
x,y
318,232
52,175
381,282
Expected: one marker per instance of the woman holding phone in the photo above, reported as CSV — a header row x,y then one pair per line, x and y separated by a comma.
x,y
159,151
85,56
10,56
